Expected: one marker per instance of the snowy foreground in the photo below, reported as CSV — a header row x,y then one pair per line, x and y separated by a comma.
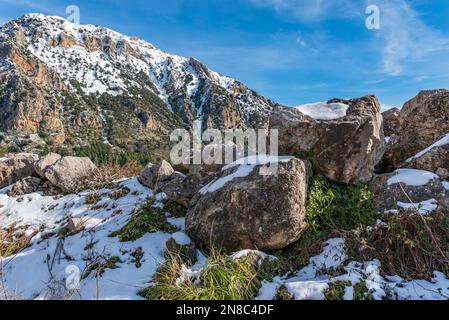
x,y
40,272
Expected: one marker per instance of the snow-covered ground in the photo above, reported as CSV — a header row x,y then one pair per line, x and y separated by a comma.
x,y
34,272
41,271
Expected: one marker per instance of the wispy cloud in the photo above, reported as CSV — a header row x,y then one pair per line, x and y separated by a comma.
x,y
405,37
313,10
46,7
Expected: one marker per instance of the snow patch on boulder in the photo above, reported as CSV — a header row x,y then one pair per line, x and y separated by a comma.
x,y
324,111
442,142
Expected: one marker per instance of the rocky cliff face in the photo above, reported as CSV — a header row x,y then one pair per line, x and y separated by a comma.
x,y
76,84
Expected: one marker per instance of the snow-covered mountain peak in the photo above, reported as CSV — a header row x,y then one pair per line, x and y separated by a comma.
x,y
96,57
102,80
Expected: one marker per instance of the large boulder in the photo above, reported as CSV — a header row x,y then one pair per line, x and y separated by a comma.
x,y
409,188
344,148
249,206
154,176
68,173
424,120
16,167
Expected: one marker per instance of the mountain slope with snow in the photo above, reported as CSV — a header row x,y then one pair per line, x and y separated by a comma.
x,y
63,79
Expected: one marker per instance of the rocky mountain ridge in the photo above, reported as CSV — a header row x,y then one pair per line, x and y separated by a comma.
x,y
76,84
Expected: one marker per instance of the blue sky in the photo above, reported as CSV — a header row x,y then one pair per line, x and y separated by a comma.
x,y
292,51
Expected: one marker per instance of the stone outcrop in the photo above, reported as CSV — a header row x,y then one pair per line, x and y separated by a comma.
x,y
182,188
25,105
435,159
43,164
345,150
423,119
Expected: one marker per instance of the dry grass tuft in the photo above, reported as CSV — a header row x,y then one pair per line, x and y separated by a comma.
x,y
14,240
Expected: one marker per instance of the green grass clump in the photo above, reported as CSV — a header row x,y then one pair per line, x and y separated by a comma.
x,y
223,279
101,266
336,290
147,220
332,210
283,294
361,292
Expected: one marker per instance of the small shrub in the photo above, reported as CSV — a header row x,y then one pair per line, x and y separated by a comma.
x,y
175,209
410,245
106,175
4,150
332,210
70,229
137,255
283,294
120,193
90,245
